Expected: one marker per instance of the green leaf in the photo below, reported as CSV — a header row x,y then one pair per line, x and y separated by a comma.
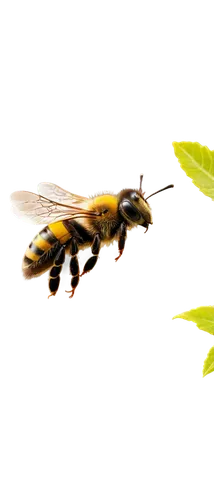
x,y
202,316
198,163
209,363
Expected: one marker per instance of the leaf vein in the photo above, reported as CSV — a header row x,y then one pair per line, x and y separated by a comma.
x,y
198,165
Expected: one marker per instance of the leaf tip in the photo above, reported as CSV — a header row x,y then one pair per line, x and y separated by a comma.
x,y
172,318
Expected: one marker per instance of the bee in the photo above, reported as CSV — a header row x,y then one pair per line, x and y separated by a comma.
x,y
73,223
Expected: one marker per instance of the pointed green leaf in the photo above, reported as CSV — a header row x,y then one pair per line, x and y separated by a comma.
x,y
198,163
209,363
202,316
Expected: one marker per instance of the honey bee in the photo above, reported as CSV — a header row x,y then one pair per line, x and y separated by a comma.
x,y
74,223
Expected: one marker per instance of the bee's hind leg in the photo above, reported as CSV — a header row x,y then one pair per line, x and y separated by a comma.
x,y
74,264
95,248
74,268
54,275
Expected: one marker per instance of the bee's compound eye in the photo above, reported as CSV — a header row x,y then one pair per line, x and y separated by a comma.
x,y
130,211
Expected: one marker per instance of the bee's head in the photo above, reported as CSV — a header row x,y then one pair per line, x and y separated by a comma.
x,y
134,208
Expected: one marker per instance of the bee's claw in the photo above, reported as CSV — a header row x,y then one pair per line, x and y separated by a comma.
x,y
118,257
83,275
72,293
52,295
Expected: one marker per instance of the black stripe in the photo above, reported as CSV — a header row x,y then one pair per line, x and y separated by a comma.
x,y
35,249
27,261
80,233
47,235
50,254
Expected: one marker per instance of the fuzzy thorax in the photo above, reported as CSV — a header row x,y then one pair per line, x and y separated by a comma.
x,y
107,206
104,202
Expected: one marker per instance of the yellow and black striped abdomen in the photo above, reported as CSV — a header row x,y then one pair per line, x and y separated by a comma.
x,y
46,239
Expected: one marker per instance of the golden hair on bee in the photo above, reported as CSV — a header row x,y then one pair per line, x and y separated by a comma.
x,y
72,223
106,205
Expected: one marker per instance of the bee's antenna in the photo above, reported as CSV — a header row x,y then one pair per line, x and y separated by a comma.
x,y
141,186
141,180
155,193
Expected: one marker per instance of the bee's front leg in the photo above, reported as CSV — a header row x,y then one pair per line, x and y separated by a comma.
x,y
54,275
95,248
121,239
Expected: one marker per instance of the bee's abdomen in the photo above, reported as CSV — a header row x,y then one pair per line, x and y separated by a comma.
x,y
40,254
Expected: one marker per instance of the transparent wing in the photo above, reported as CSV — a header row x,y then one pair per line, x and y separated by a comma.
x,y
56,193
40,210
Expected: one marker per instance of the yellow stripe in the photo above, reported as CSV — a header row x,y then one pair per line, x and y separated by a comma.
x,y
65,238
42,244
31,255
59,230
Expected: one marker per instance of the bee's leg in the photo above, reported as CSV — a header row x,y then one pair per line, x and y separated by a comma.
x,y
95,248
54,275
74,267
121,240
